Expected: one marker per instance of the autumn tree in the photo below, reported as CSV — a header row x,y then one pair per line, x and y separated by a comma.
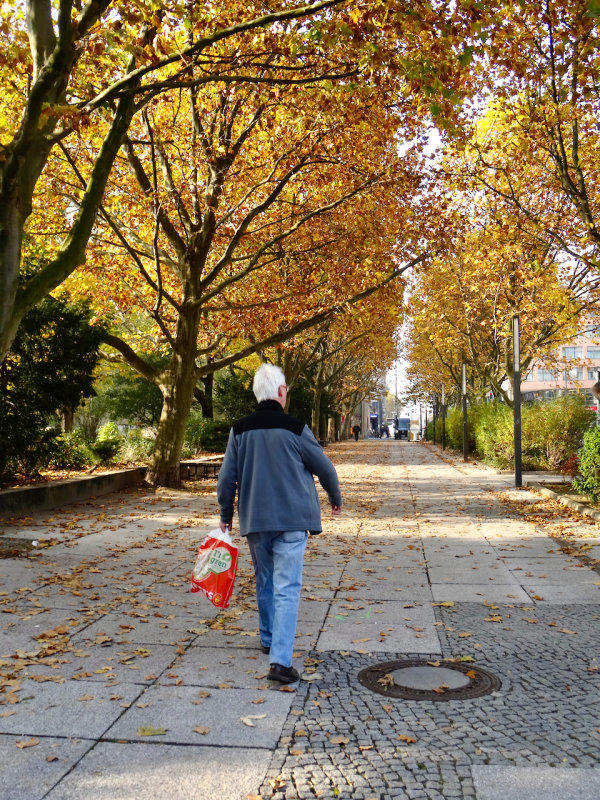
x,y
491,273
536,145
288,196
242,241
69,66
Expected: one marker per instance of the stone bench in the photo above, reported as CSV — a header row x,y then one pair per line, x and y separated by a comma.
x,y
200,468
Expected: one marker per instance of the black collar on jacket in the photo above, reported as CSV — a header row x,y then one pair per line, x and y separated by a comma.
x,y
270,405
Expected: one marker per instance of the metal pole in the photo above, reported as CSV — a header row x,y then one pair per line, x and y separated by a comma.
x,y
443,418
464,413
517,400
434,414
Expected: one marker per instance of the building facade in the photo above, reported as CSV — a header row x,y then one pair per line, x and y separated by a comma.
x,y
577,370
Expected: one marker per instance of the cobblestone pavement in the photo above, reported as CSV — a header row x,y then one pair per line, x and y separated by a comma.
x,y
116,683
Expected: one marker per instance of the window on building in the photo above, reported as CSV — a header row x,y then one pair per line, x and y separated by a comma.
x,y
593,352
593,331
546,375
576,373
573,352
528,377
593,374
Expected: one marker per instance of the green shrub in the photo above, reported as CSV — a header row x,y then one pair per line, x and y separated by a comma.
x,y
71,451
560,427
205,434
589,465
107,442
551,432
494,433
48,368
135,447
454,428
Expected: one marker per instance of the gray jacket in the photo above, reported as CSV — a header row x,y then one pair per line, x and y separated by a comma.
x,y
270,461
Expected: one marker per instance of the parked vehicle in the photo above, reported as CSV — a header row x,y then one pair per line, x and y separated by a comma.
x,y
402,428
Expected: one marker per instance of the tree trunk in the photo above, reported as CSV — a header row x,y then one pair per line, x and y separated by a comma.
x,y
67,417
177,387
323,427
332,429
316,411
206,397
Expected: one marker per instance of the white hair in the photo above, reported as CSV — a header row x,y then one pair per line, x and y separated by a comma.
x,y
267,380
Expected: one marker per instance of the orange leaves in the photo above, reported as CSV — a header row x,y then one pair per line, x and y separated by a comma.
x,y
23,744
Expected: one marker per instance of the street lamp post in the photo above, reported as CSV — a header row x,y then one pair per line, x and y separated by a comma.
x,y
464,413
434,401
443,418
517,400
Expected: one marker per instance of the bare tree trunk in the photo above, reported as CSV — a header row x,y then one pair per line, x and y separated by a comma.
x,y
177,386
316,411
66,420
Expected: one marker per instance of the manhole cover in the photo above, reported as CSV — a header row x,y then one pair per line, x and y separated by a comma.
x,y
429,680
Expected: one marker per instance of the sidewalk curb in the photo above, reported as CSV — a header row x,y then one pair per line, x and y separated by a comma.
x,y
582,508
54,494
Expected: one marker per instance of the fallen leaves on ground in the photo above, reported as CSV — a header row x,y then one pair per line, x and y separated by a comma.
x,y
23,744
249,719
146,730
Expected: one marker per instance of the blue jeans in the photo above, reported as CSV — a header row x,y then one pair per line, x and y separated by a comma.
x,y
277,557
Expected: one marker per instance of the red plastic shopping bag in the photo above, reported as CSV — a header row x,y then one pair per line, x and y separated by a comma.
x,y
215,568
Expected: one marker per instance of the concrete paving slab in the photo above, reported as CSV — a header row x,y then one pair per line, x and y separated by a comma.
x,y
17,579
551,570
536,783
549,548
374,592
392,577
382,627
156,772
221,712
497,573
307,635
310,611
480,593
210,666
435,547
225,638
55,709
32,771
559,594
120,661
462,560
20,629
163,629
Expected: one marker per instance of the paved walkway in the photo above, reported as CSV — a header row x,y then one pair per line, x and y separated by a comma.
x,y
117,684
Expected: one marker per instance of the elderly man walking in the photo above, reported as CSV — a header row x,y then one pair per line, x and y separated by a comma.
x,y
270,461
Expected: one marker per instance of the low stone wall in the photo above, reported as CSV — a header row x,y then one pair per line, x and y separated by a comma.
x,y
54,494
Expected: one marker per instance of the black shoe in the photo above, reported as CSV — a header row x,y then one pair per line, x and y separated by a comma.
x,y
265,648
282,674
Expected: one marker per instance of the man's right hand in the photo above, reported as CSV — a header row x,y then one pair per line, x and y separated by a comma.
x,y
225,526
336,510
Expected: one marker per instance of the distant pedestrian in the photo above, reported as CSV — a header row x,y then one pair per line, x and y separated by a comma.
x,y
356,432
270,461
